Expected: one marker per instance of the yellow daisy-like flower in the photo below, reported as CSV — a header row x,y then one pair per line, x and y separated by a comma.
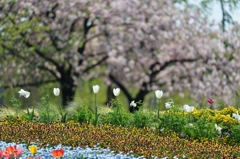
x,y
33,149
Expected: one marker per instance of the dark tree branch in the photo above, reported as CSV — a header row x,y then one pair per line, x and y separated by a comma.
x,y
85,32
41,54
96,64
73,25
54,40
92,37
121,86
14,53
223,15
171,62
51,71
48,13
97,54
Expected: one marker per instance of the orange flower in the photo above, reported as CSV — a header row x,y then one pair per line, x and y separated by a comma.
x,y
58,153
9,150
13,151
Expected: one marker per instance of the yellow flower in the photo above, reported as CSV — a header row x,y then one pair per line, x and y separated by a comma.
x,y
33,149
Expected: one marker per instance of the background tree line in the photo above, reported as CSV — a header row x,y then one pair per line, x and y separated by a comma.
x,y
141,45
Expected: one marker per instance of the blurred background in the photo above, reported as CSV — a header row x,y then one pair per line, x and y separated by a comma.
x,y
189,49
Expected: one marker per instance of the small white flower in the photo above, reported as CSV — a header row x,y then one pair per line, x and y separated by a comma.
x,y
96,89
188,108
236,116
56,91
219,129
169,105
116,91
159,94
190,124
133,104
24,93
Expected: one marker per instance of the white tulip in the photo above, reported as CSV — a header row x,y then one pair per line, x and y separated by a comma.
x,y
188,108
96,89
56,91
159,94
133,104
24,93
219,129
116,91
236,116
168,105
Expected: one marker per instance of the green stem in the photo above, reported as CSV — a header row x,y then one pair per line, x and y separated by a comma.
x,y
96,111
189,117
28,112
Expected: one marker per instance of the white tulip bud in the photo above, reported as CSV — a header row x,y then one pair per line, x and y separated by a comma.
x,y
56,91
116,91
159,94
96,89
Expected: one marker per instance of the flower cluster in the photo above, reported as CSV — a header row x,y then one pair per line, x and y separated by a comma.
x,y
15,152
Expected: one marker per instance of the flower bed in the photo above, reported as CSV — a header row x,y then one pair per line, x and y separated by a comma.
x,y
128,140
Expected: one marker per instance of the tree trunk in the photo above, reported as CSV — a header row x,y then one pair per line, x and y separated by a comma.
x,y
139,98
68,89
109,95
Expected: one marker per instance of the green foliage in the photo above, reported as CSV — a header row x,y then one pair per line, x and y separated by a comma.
x,y
173,119
16,104
30,115
200,129
46,112
143,118
82,114
119,116
235,133
63,116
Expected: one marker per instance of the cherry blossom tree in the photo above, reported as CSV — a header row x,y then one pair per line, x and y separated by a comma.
x,y
158,46
46,41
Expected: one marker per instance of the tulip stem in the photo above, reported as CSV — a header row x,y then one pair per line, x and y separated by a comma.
x,y
158,110
30,114
96,111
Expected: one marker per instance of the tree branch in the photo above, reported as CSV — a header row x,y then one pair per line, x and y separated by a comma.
x,y
38,51
121,86
96,64
85,32
171,62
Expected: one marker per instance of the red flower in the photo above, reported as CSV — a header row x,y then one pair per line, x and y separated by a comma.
x,y
58,153
210,101
1,153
